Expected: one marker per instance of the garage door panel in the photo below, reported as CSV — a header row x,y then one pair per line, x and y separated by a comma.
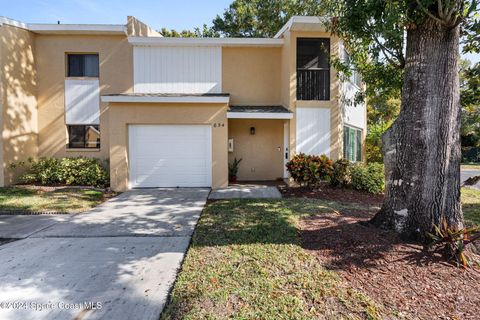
x,y
170,155
191,166
169,150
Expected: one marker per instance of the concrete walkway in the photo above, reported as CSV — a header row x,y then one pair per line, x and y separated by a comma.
x,y
246,191
121,257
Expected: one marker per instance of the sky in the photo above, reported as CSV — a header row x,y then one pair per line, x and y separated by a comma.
x,y
172,14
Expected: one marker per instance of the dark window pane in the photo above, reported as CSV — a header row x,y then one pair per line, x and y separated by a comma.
x,y
83,65
91,65
75,65
84,136
313,69
359,145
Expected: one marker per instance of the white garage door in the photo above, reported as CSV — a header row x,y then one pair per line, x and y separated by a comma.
x,y
170,156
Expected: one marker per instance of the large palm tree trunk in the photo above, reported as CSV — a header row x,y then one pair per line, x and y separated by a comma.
x,y
422,148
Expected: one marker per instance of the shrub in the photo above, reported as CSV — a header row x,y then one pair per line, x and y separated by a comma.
x,y
233,169
83,171
368,177
44,171
310,170
454,242
341,175
70,171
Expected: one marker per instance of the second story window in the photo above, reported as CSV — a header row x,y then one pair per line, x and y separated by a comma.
x,y
313,69
82,65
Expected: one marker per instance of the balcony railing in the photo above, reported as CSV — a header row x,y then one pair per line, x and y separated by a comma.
x,y
313,84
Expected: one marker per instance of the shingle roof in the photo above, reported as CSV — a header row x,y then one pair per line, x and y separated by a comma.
x,y
168,95
259,109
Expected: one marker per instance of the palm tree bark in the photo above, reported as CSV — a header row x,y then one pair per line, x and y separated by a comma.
x,y
422,148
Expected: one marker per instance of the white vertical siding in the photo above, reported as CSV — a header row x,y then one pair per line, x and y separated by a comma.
x,y
354,115
313,131
82,101
177,69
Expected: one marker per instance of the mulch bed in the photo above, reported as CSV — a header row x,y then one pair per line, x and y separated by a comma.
x,y
326,192
403,280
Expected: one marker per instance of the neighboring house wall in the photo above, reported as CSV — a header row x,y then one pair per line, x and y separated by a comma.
x,y
18,79
261,153
122,114
177,69
116,76
136,28
252,75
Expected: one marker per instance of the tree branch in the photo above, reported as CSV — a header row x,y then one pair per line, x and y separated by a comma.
x,y
428,13
385,51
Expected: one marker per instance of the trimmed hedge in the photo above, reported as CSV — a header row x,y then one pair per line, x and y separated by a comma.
x,y
70,171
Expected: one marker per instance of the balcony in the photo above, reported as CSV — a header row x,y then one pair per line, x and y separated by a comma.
x,y
313,84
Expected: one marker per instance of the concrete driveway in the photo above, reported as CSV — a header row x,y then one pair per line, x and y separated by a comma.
x,y
117,261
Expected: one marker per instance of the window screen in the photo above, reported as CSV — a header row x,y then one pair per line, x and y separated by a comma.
x,y
82,65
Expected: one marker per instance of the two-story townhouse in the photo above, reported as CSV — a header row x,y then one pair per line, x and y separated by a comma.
x,y
170,112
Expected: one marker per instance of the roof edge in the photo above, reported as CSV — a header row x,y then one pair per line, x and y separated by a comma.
x,y
319,20
225,42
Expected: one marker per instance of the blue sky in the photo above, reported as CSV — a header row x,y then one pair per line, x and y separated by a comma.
x,y
176,14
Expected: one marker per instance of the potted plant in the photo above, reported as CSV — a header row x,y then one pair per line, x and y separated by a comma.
x,y
233,170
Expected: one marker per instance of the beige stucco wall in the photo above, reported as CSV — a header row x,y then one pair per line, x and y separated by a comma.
x,y
116,76
18,102
288,89
261,153
252,75
122,114
136,28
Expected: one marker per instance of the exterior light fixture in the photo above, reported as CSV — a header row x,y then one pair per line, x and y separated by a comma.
x,y
252,130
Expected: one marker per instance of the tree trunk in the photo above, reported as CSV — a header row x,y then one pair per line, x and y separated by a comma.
x,y
422,148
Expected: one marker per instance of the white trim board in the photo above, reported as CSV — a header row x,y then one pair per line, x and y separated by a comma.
x,y
77,28
167,99
258,115
196,42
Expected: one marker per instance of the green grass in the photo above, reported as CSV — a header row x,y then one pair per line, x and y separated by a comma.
x,y
471,205
246,262
64,200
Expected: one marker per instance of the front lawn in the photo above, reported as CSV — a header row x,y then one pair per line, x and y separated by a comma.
x,y
246,262
60,200
471,205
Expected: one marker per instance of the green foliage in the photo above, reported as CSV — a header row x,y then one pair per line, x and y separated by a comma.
x,y
341,175
368,177
454,242
310,170
373,141
261,18
69,171
470,100
204,32
83,171
233,168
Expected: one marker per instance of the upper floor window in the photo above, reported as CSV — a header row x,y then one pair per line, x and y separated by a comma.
x,y
82,65
355,77
313,69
